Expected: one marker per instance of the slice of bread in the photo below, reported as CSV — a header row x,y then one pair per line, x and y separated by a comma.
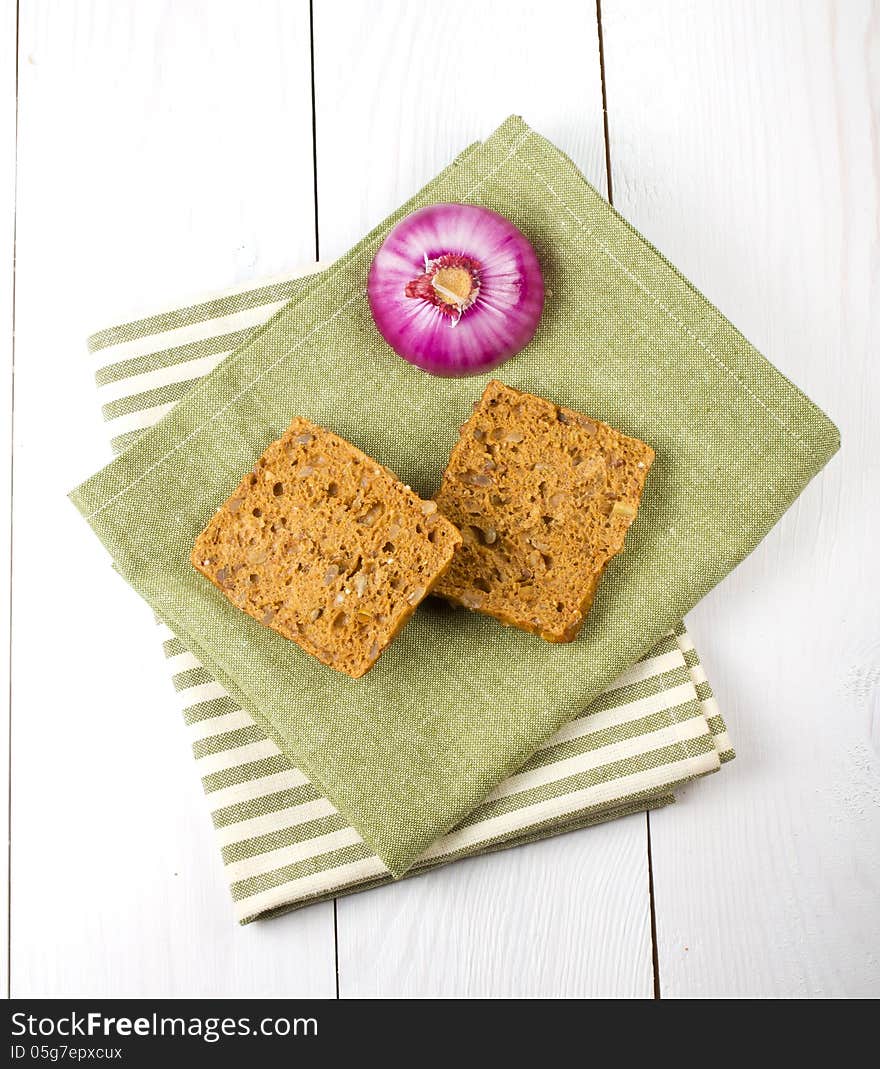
x,y
543,497
326,547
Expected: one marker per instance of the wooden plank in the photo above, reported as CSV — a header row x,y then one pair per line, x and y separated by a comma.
x,y
164,150
741,144
399,91
563,918
7,268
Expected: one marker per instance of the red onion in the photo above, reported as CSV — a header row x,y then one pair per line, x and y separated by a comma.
x,y
456,289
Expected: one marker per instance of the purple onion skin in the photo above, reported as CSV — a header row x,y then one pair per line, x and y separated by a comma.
x,y
502,319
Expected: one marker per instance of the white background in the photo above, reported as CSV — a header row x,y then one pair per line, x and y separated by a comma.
x,y
152,151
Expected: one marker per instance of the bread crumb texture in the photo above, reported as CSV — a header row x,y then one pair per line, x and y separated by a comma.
x,y
327,547
543,497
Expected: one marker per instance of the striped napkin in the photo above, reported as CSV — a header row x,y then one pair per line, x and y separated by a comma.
x,y
285,845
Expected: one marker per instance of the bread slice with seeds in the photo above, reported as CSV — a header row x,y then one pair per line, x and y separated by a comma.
x,y
327,547
543,497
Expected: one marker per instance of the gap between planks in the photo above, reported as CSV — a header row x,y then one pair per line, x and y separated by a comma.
x,y
317,260
655,952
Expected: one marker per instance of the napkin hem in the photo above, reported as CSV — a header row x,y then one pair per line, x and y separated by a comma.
x,y
642,804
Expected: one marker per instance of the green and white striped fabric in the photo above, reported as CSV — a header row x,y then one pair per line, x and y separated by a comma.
x,y
283,844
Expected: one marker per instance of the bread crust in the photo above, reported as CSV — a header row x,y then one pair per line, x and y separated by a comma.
x,y
543,497
327,547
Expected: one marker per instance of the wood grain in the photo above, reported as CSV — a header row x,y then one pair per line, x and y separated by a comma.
x,y
744,144
394,104
161,152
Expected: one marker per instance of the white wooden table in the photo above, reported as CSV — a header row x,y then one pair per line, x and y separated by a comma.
x,y
152,151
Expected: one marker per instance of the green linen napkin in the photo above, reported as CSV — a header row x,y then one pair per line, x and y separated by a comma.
x,y
283,844
459,703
